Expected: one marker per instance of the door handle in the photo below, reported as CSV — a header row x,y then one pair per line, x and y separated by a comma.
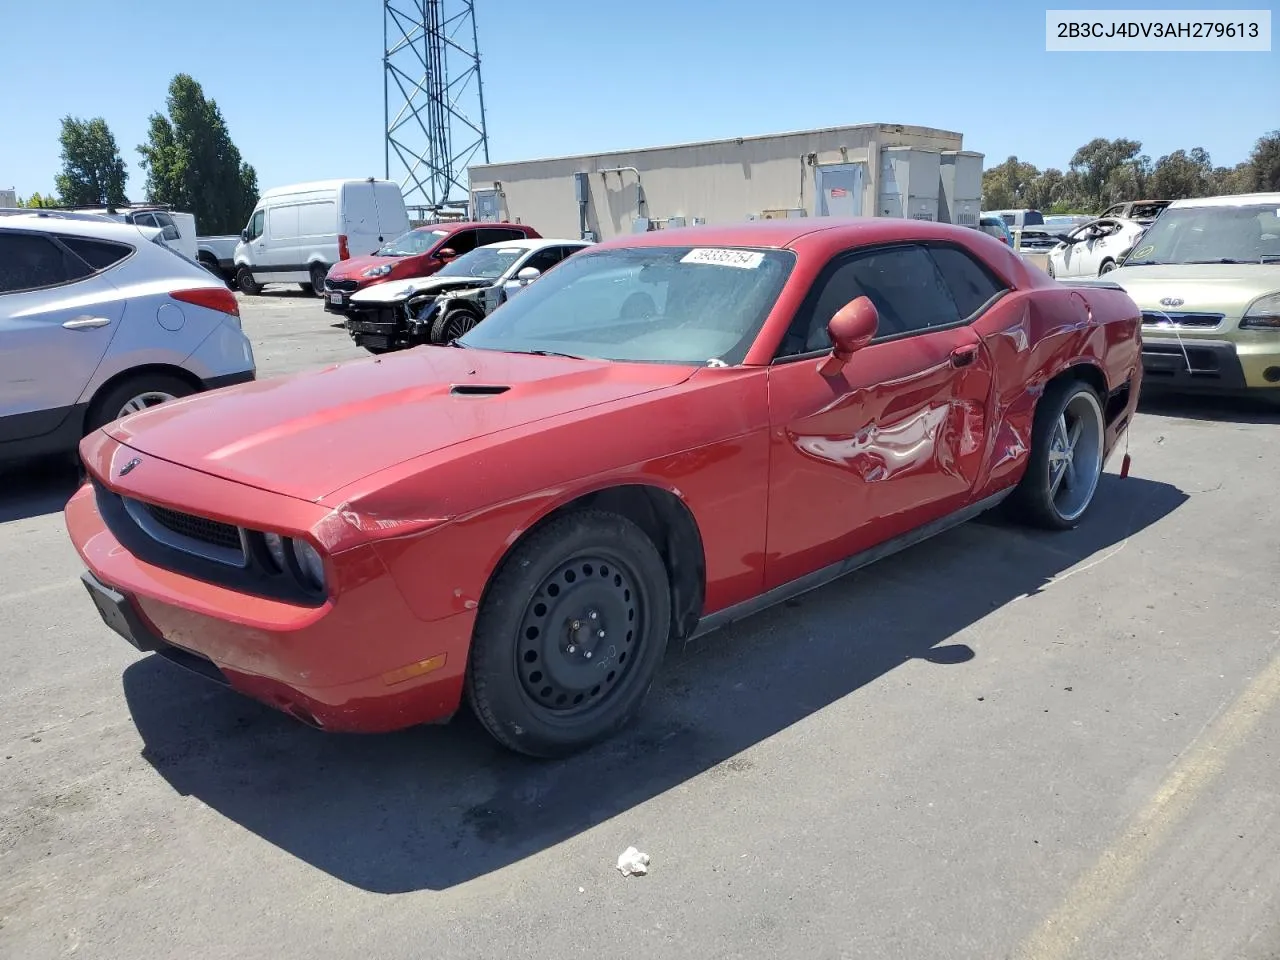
x,y
963,356
86,322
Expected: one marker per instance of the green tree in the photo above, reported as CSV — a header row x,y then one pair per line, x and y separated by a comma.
x,y
92,170
1181,174
1006,186
36,202
1100,168
192,164
1265,164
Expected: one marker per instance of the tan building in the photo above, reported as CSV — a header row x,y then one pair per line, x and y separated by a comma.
x,y
875,168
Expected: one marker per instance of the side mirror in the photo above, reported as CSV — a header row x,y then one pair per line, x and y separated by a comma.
x,y
448,253
244,236
851,329
1063,238
528,274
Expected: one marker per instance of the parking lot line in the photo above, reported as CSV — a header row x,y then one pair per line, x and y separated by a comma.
x,y
1105,884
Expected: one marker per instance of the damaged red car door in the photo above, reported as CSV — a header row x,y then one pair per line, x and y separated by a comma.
x,y
896,436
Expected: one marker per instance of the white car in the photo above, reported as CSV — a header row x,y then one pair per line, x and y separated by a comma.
x,y
437,309
1094,248
99,320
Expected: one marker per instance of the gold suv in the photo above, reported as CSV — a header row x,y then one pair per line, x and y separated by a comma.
x,y
1206,275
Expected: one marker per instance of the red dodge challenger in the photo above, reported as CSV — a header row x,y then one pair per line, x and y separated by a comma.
x,y
665,433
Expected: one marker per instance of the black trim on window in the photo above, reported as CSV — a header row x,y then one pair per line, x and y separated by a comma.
x,y
799,324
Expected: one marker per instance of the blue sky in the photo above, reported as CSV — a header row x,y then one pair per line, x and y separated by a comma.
x,y
300,83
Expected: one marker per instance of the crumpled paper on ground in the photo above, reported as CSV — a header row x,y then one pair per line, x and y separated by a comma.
x,y
633,863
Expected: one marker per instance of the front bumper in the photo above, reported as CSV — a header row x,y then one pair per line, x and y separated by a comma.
x,y
360,662
1198,365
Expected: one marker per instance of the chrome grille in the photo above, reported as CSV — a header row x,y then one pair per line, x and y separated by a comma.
x,y
1199,321
198,536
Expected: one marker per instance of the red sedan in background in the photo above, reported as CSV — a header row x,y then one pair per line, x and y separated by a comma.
x,y
419,253
665,433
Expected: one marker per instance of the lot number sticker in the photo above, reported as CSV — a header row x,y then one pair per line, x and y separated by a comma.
x,y
1143,252
744,259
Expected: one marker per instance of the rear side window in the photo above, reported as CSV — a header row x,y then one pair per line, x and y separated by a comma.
x,y
29,262
499,235
464,241
98,254
971,284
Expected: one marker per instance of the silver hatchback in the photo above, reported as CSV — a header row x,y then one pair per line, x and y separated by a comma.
x,y
99,320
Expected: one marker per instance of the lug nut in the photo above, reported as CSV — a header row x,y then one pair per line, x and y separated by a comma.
x,y
600,634
572,648
587,654
593,615
576,625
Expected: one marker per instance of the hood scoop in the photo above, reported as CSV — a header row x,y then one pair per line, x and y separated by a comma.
x,y
478,389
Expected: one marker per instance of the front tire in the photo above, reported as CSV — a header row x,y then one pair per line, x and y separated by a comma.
x,y
244,280
570,635
452,324
1107,267
1068,437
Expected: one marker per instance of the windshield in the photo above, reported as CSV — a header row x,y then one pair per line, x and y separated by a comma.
x,y
647,304
411,243
1243,234
487,262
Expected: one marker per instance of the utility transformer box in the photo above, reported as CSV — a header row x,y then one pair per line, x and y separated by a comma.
x,y
960,187
908,183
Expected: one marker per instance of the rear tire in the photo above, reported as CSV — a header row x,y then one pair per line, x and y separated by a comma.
x,y
318,273
244,280
570,635
1065,463
133,394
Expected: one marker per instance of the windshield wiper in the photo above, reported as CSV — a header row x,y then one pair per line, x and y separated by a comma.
x,y
551,353
1219,260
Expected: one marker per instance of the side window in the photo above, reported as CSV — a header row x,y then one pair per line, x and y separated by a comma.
x,y
495,235
98,254
902,282
544,260
29,262
464,241
145,220
971,284
255,225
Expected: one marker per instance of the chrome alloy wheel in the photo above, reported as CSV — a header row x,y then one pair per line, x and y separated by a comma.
x,y
1075,456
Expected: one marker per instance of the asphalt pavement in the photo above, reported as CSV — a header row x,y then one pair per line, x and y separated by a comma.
x,y
998,744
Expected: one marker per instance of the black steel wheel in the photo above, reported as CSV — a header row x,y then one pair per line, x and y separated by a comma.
x,y
570,635
246,283
452,324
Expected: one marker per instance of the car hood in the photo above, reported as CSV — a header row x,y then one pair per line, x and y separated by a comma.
x,y
353,266
1226,288
394,291
310,434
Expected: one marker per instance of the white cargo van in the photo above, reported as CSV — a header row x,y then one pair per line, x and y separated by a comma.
x,y
297,233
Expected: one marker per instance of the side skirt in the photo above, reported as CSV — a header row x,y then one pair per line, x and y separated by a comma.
x,y
820,578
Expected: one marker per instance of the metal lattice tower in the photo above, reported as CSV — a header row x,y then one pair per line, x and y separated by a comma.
x,y
433,101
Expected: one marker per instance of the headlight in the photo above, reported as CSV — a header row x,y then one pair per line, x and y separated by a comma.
x,y
1263,313
275,546
379,271
309,563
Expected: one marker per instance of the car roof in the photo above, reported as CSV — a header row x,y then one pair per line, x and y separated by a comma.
x,y
782,234
99,229
1233,200
535,243
453,226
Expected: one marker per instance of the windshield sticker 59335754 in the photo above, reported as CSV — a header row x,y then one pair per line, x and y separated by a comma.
x,y
743,259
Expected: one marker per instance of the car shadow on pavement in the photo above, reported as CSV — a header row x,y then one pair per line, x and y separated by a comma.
x,y
1225,409
35,489
431,808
